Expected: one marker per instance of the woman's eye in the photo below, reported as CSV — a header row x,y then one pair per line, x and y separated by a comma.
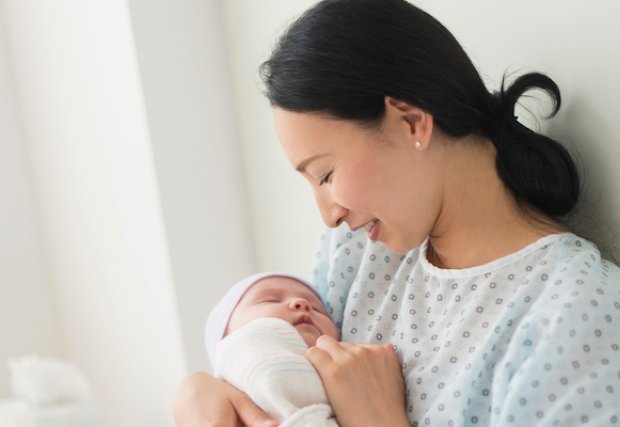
x,y
325,178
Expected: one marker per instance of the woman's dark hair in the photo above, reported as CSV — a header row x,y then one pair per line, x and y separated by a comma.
x,y
342,57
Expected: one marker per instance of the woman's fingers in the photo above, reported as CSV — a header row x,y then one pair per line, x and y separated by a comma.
x,y
363,382
329,345
250,414
198,402
202,400
318,357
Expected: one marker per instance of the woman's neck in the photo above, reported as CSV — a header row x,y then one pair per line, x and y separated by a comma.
x,y
480,221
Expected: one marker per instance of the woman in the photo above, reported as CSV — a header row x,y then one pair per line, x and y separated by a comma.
x,y
447,237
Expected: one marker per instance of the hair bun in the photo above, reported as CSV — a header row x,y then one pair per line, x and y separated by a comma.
x,y
537,169
509,97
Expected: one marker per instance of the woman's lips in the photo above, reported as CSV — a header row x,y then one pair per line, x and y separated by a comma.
x,y
373,229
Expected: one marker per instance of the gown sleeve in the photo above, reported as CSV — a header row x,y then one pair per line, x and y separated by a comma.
x,y
562,364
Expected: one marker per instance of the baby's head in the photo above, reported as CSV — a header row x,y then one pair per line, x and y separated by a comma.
x,y
269,295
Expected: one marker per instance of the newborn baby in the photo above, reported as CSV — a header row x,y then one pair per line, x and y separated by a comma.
x,y
257,337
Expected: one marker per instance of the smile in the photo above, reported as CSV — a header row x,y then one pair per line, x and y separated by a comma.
x,y
369,226
373,229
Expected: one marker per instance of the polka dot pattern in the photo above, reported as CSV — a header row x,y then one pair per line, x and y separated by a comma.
x,y
529,339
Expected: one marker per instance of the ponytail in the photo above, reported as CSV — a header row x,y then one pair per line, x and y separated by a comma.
x,y
538,170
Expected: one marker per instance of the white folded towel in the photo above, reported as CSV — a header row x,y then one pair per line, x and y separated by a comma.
x,y
43,381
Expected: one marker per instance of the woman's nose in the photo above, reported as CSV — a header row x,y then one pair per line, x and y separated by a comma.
x,y
331,212
300,304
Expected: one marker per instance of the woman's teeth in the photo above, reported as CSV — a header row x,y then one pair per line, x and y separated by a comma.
x,y
370,225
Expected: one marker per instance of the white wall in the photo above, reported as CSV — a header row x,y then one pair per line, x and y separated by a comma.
x,y
128,116
27,315
577,43
285,222
187,87
85,127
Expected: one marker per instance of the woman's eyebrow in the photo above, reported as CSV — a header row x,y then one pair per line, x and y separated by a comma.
x,y
301,167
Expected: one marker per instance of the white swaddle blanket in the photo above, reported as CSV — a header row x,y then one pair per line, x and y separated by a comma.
x,y
266,359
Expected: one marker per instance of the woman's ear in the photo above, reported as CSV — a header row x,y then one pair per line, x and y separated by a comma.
x,y
413,123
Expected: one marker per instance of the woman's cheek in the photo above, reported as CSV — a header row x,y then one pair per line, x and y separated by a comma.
x,y
345,194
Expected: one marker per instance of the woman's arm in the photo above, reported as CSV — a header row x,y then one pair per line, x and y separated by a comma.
x,y
364,383
202,401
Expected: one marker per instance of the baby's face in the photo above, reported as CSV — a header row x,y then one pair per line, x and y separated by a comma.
x,y
286,299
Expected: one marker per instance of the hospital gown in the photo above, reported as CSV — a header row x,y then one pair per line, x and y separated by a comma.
x,y
530,339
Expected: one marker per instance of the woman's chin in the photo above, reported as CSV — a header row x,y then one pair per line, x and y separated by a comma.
x,y
400,247
393,246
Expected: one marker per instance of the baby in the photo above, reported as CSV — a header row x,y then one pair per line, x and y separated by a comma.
x,y
257,337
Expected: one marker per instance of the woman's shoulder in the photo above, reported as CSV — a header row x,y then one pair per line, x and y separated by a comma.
x,y
564,337
569,272
562,257
576,286
579,260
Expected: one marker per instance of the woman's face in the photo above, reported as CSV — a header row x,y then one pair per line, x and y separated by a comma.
x,y
375,179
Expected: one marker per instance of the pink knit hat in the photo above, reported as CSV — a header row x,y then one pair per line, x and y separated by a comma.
x,y
219,316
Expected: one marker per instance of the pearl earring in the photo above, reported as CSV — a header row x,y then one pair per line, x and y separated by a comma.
x,y
418,145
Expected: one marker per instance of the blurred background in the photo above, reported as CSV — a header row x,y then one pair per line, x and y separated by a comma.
x,y
140,175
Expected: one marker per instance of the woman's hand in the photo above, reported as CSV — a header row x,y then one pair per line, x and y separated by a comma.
x,y
364,383
202,401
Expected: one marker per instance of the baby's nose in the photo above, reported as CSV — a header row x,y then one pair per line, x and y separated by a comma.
x,y
300,304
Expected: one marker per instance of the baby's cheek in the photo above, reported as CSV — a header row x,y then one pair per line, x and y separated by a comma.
x,y
310,339
330,329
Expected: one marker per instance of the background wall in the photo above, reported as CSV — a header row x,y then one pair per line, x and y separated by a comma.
x,y
122,132
83,123
26,299
182,53
140,174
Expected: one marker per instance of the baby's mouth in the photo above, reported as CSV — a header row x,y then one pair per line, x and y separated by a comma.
x,y
304,319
